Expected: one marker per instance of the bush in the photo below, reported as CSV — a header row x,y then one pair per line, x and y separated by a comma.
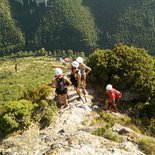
x,y
147,146
112,136
109,122
37,94
129,68
144,116
32,107
43,113
17,115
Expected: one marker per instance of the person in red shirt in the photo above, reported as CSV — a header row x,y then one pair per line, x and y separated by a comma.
x,y
112,98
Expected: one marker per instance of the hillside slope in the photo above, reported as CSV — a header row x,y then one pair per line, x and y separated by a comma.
x,y
11,37
71,133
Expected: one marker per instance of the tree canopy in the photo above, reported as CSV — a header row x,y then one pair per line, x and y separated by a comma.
x,y
129,68
68,25
128,21
11,37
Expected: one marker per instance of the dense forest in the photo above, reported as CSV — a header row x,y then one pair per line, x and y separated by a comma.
x,y
11,37
82,25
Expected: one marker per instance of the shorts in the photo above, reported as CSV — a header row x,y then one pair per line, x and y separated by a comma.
x,y
116,101
75,85
61,92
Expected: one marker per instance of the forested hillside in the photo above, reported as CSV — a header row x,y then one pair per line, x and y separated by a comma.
x,y
79,25
11,37
68,25
128,21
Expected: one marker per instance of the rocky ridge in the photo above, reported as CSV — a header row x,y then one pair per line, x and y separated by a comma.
x,y
69,135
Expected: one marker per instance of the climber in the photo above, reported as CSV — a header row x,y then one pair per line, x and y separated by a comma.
x,y
83,68
75,77
61,83
112,98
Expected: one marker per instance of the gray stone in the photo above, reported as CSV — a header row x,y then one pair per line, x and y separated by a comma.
x,y
69,136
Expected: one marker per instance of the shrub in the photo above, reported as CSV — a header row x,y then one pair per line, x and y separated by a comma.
x,y
144,116
147,146
110,121
37,94
32,107
44,113
17,115
112,136
131,65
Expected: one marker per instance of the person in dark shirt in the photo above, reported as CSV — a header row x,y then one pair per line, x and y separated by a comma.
x,y
61,83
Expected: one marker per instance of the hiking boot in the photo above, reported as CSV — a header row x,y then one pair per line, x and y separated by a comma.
x,y
65,106
113,110
84,91
59,106
79,98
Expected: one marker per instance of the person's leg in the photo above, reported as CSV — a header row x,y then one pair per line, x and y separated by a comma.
x,y
78,92
65,100
59,100
107,104
114,106
84,86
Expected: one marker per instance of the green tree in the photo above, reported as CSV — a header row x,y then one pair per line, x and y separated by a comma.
x,y
129,68
67,25
11,37
128,21
135,25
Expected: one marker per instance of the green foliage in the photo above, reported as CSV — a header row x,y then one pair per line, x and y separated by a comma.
x,y
37,94
70,53
147,146
144,116
131,65
32,72
20,114
67,25
109,122
128,21
105,129
17,115
112,136
11,37
32,76
135,25
44,113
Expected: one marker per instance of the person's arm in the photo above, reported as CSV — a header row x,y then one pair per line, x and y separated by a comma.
x,y
68,81
87,68
62,67
52,83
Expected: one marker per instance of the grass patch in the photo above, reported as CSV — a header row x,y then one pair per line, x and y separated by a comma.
x,y
31,72
104,131
147,146
112,136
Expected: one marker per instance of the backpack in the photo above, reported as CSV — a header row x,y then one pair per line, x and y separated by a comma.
x,y
61,84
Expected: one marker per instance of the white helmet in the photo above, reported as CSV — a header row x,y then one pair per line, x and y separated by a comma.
x,y
79,60
109,87
75,64
58,71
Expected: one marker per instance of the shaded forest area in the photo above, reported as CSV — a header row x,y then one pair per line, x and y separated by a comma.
x,y
82,25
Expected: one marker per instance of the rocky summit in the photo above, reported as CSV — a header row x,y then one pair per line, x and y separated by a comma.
x,y
70,134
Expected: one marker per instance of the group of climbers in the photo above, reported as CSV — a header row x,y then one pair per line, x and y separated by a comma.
x,y
77,78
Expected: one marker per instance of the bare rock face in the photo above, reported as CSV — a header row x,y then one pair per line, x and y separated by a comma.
x,y
68,136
